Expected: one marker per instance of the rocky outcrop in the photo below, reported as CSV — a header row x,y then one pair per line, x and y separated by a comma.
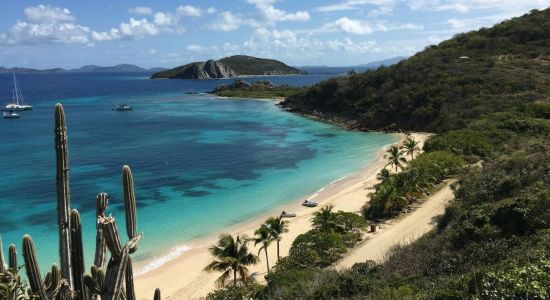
x,y
232,66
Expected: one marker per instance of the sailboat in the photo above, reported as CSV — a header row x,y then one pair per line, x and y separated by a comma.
x,y
18,102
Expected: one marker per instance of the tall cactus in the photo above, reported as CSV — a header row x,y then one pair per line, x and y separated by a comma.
x,y
157,295
68,282
63,193
12,253
77,256
102,202
2,259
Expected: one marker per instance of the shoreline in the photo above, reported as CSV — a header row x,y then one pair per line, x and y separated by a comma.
x,y
182,276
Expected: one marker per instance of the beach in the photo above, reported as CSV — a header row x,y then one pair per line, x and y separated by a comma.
x,y
183,276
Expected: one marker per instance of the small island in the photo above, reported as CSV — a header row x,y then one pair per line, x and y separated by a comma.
x,y
233,66
258,89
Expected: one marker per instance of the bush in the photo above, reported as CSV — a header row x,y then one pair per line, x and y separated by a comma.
x,y
463,141
316,249
253,291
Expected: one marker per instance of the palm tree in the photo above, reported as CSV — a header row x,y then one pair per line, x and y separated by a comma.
x,y
324,219
410,146
264,237
231,255
277,226
383,174
387,199
395,157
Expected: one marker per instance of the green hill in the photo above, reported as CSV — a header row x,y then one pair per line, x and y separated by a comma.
x,y
445,86
237,65
491,110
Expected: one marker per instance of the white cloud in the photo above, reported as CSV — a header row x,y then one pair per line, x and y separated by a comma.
x,y
188,11
349,26
272,14
383,7
463,6
48,14
141,10
211,10
227,21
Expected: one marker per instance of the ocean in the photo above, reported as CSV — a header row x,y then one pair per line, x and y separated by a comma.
x,y
200,163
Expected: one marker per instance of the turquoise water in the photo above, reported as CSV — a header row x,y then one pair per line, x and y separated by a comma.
x,y
200,163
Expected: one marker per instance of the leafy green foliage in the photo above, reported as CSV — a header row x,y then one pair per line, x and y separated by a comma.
x,y
435,90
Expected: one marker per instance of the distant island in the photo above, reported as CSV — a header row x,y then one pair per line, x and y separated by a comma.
x,y
357,68
87,68
264,89
232,66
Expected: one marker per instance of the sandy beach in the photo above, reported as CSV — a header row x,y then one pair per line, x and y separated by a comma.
x,y
184,278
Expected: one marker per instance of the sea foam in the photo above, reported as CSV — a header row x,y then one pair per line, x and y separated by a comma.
x,y
157,262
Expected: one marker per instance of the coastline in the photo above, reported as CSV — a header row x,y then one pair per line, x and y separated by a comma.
x,y
182,276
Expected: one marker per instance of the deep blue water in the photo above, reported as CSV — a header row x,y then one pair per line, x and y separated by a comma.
x,y
200,163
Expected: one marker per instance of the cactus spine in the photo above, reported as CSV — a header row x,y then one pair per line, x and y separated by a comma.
x,y
63,193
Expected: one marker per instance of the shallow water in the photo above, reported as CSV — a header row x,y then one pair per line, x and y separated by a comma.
x,y
200,163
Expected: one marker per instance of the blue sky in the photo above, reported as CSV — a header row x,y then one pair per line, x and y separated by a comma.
x,y
168,33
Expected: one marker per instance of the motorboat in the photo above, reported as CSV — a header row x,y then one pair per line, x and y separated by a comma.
x,y
310,203
122,107
18,102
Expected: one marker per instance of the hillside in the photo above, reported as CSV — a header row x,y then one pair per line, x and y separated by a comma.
x,y
445,86
237,65
346,69
491,110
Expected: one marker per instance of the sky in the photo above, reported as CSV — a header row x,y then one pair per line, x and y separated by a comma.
x,y
167,33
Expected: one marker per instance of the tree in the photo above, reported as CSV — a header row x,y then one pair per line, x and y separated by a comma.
x,y
324,219
384,174
410,146
263,236
277,227
231,255
395,157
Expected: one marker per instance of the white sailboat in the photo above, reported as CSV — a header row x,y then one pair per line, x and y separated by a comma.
x,y
18,102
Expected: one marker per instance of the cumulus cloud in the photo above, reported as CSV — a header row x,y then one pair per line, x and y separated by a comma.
x,y
140,10
349,26
47,14
272,14
227,21
189,11
379,7
464,6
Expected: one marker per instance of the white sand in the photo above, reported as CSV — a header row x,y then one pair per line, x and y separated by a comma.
x,y
184,278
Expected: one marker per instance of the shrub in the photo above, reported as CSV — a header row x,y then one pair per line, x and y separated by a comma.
x,y
462,141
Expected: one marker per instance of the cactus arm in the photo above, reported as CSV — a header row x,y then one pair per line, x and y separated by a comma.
x,y
63,192
102,202
77,256
33,271
12,252
2,260
112,238
130,291
157,294
115,276
129,202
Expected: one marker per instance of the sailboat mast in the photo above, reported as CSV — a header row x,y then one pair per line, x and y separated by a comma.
x,y
16,94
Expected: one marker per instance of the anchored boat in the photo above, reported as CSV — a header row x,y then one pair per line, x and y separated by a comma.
x,y
122,107
18,102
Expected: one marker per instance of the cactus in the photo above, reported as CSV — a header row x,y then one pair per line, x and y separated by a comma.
x,y
63,193
2,260
157,295
102,202
67,282
77,256
13,258
32,268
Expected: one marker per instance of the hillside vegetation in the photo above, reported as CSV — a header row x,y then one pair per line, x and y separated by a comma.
x,y
501,69
492,115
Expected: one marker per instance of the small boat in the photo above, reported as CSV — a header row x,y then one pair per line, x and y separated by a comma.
x,y
285,214
122,107
10,114
18,102
310,203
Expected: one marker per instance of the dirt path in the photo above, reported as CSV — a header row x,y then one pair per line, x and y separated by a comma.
x,y
401,231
